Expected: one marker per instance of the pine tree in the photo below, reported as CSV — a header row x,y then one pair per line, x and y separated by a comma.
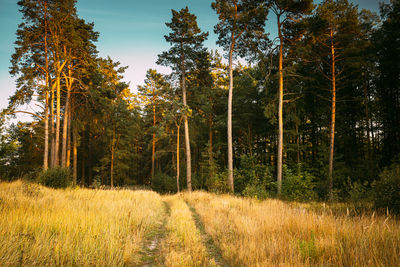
x,y
186,41
239,20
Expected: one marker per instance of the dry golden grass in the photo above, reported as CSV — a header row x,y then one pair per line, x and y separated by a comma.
x,y
273,233
42,227
80,227
183,245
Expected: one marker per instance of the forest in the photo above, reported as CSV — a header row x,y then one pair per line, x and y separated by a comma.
x,y
312,114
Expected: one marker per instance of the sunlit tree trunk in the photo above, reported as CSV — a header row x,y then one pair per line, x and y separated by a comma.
x,y
280,110
230,95
333,119
153,150
68,163
186,124
46,111
177,156
75,157
66,121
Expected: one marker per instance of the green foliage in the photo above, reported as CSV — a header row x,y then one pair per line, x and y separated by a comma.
x,y
298,186
308,248
387,189
359,191
218,183
164,183
256,191
253,179
55,177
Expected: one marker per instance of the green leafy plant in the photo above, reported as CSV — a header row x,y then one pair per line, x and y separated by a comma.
x,y
387,189
55,177
308,248
299,186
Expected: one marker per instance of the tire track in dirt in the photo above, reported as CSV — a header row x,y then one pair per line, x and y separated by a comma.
x,y
213,250
151,246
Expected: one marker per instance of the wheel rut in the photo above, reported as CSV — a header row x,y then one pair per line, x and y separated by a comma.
x,y
151,246
213,250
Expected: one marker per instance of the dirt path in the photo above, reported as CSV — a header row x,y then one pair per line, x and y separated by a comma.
x,y
151,246
213,251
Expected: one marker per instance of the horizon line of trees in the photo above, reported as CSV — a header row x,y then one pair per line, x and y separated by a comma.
x,y
320,103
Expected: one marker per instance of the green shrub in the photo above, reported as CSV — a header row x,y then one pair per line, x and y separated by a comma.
x,y
387,189
164,183
359,191
257,191
254,179
55,177
218,183
299,186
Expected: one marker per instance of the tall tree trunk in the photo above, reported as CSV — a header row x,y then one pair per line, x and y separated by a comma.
x,y
46,110
68,163
65,130
187,139
230,95
46,132
210,146
75,157
177,157
333,119
280,110
112,161
90,168
58,115
153,149
52,129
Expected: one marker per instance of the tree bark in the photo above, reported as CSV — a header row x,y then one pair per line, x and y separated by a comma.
x,y
75,158
333,119
68,163
230,95
177,157
153,150
187,139
65,129
280,111
46,111
58,115
112,161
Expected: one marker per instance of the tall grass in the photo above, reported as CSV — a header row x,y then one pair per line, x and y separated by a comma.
x,y
273,233
183,245
42,227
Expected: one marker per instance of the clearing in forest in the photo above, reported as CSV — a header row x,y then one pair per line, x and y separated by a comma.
x,y
41,226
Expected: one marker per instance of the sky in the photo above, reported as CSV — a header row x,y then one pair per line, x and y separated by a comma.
x,y
131,32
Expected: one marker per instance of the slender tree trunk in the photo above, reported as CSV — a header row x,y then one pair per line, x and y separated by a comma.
x,y
90,169
46,111
65,130
52,129
46,132
333,119
68,163
230,95
75,158
112,161
187,139
153,150
177,157
280,111
210,146
58,115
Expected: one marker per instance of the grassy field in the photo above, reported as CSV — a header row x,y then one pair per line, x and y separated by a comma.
x,y
81,227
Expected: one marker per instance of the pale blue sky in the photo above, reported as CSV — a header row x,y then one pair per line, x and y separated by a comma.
x,y
131,31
